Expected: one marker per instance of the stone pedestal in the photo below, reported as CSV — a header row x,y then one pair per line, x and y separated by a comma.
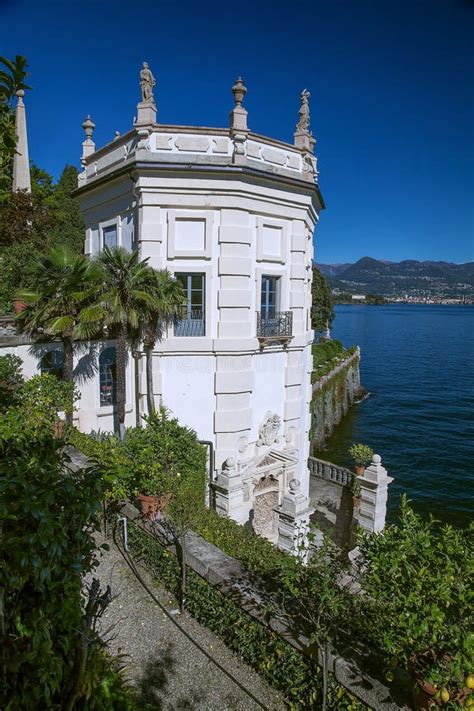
x,y
228,491
146,113
374,493
293,521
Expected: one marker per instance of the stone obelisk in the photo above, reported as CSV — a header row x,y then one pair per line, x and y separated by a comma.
x,y
21,163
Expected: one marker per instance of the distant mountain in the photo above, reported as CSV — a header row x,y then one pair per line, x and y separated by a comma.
x,y
409,277
332,269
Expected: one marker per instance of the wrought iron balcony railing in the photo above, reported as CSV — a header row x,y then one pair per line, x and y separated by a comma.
x,y
275,326
191,325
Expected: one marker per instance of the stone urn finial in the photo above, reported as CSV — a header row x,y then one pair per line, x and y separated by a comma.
x,y
239,90
294,486
88,125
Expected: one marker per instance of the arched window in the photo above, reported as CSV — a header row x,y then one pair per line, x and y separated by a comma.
x,y
107,376
52,362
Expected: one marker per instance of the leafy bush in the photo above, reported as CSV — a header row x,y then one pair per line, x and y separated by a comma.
x,y
418,607
163,457
42,396
11,380
49,518
327,355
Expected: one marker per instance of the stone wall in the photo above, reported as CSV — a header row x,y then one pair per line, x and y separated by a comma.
x,y
333,395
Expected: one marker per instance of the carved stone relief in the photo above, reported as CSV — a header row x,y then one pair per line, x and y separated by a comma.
x,y
268,430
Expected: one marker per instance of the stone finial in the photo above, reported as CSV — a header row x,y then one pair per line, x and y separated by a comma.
x,y
88,146
238,122
294,486
21,162
239,90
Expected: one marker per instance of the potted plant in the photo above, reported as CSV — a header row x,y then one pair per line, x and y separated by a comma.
x,y
362,456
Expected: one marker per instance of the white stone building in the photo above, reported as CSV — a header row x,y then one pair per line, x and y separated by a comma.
x,y
232,215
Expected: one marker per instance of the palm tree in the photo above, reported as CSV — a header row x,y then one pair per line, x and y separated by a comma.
x,y
168,298
121,308
64,283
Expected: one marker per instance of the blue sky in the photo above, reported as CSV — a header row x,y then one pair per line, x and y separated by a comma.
x,y
392,98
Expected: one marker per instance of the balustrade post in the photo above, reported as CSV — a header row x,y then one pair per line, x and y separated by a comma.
x,y
293,521
374,493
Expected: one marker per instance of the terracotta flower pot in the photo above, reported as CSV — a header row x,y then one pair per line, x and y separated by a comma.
x,y
18,306
423,694
153,506
149,505
360,471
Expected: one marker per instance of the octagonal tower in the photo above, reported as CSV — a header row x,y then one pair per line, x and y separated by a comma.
x,y
232,215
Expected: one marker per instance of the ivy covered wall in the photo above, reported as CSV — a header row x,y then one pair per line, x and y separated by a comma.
x,y
333,392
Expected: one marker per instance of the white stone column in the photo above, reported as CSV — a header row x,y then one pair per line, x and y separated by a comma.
x,y
21,163
293,520
374,493
229,491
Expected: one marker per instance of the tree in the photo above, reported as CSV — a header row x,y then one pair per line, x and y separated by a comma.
x,y
122,306
417,601
68,227
322,309
64,283
12,79
168,297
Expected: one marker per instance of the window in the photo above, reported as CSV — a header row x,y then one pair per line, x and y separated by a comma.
x,y
192,322
270,297
52,362
107,376
109,236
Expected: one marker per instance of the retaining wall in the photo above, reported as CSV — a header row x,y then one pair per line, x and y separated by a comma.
x,y
333,395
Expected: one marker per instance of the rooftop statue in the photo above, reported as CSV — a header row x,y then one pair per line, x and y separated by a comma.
x,y
303,123
147,83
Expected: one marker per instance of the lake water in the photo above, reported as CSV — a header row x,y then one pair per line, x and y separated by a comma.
x,y
417,362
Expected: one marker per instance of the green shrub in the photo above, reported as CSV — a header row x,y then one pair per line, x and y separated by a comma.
x,y
418,607
42,397
11,380
162,457
327,355
49,518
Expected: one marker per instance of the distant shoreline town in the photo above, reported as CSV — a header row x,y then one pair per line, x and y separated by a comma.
x,y
373,281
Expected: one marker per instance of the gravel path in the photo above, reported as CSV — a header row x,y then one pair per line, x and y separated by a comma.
x,y
167,670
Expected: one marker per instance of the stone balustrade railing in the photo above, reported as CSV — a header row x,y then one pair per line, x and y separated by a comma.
x,y
330,472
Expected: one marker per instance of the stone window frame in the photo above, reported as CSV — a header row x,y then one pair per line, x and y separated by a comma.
x,y
199,215
114,222
184,343
284,225
284,296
